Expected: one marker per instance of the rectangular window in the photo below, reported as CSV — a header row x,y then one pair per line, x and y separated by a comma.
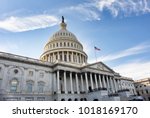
x,y
40,87
13,86
29,87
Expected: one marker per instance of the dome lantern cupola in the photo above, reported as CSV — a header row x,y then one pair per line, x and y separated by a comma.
x,y
63,46
63,25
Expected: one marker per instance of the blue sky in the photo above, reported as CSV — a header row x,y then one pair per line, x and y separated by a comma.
x,y
120,28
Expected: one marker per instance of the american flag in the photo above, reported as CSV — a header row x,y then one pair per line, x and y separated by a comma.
x,y
97,48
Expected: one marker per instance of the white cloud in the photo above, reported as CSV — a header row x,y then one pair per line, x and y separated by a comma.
x,y
85,11
124,53
136,70
20,24
93,9
125,7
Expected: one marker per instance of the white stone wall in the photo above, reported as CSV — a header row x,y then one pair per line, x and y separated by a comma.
x,y
25,72
127,84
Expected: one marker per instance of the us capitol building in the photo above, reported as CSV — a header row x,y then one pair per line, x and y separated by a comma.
x,y
61,74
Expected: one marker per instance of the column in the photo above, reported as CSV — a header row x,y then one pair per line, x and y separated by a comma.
x,y
67,56
112,85
80,58
77,57
87,84
104,82
96,82
58,82
62,55
82,83
72,57
58,56
115,85
46,57
49,57
91,79
35,87
108,86
119,84
117,81
65,85
54,82
100,82
53,58
77,84
71,85
23,80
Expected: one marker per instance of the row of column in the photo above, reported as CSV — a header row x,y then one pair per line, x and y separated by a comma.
x,y
101,81
65,56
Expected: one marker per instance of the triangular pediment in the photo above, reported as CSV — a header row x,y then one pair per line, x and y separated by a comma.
x,y
99,66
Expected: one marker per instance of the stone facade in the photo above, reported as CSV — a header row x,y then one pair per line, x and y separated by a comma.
x,y
143,88
62,73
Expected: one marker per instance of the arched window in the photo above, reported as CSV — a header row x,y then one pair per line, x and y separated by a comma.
x,y
30,86
41,87
65,57
14,85
60,56
60,44
56,44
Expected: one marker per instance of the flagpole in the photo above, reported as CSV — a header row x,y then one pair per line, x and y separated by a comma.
x,y
96,49
95,56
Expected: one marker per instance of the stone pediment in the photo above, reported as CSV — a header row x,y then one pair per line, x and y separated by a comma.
x,y
99,66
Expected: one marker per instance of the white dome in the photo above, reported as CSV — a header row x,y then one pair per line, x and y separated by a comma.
x,y
62,45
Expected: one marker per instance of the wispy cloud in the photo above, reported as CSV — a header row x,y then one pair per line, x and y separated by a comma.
x,y
125,7
93,10
136,70
20,24
85,11
124,53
